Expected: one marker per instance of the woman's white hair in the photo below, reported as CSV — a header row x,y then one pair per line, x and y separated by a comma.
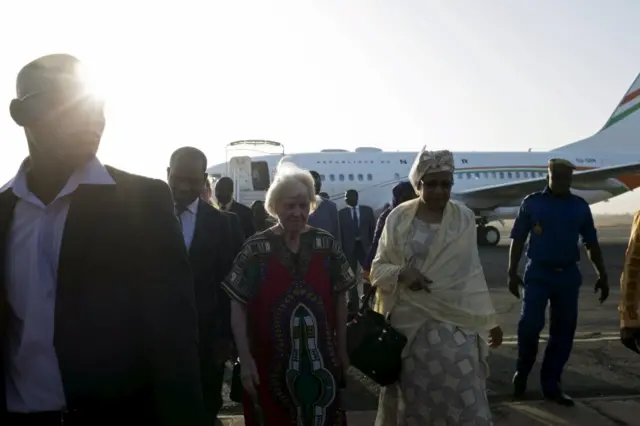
x,y
289,181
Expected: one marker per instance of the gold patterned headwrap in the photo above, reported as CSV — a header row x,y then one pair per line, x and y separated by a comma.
x,y
430,162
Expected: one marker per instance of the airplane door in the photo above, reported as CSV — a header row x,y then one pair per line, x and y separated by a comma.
x,y
260,175
240,170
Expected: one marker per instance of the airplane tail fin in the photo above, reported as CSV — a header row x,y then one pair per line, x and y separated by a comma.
x,y
621,132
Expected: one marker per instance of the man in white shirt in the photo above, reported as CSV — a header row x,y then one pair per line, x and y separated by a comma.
x,y
213,239
357,226
96,295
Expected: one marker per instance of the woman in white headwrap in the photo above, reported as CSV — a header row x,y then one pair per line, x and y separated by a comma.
x,y
429,278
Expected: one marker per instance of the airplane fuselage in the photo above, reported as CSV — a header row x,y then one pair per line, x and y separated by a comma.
x,y
374,174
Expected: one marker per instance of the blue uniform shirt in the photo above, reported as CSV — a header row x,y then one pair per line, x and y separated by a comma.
x,y
554,225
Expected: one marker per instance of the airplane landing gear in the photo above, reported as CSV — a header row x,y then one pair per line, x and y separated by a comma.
x,y
487,235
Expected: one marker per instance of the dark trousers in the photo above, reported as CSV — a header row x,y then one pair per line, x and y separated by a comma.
x,y
357,255
212,375
560,289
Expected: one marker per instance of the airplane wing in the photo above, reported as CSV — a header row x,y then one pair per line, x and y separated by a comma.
x,y
588,179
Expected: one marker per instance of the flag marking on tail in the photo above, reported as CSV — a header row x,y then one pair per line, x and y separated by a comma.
x,y
628,98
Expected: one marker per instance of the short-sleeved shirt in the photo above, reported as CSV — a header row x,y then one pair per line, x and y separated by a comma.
x,y
248,273
554,225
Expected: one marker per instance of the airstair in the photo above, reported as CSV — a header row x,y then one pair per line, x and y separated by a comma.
x,y
251,178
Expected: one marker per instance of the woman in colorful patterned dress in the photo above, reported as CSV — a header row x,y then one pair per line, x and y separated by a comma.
x,y
289,312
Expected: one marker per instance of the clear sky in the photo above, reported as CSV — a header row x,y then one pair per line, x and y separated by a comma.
x,y
397,74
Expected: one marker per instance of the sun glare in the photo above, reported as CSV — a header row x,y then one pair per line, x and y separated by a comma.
x,y
93,84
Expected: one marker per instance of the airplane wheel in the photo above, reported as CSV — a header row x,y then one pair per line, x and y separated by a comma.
x,y
482,231
491,236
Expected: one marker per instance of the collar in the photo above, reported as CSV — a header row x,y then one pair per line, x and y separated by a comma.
x,y
548,191
93,173
193,207
226,207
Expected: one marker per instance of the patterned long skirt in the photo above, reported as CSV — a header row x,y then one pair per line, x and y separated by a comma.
x,y
442,382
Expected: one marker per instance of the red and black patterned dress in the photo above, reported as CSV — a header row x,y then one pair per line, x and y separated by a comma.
x,y
290,299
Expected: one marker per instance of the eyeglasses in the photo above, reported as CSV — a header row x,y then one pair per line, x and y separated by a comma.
x,y
45,103
433,184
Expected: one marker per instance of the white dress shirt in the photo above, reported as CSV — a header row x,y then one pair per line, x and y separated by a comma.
x,y
188,222
33,380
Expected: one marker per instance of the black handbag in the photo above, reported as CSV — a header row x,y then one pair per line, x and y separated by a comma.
x,y
374,347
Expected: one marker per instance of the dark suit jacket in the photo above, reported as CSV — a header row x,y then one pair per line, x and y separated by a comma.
x,y
126,332
245,215
367,222
216,241
325,216
382,219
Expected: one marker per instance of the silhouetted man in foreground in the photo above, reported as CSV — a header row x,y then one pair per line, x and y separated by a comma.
x,y
98,315
213,239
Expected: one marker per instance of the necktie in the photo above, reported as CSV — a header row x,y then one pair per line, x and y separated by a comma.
x,y
355,218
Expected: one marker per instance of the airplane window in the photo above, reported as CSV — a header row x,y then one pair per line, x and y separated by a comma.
x,y
517,175
350,177
341,177
360,177
493,175
509,175
485,175
477,175
501,175
525,174
369,176
322,178
332,178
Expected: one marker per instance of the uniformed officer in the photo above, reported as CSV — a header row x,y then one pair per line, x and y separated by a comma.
x,y
554,219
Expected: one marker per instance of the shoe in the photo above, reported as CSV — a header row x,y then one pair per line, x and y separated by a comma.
x,y
559,397
519,385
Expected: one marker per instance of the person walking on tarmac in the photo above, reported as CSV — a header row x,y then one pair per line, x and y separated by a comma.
x,y
553,219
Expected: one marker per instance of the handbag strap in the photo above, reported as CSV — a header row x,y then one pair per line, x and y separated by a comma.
x,y
367,299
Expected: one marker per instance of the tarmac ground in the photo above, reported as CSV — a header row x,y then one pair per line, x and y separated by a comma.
x,y
601,373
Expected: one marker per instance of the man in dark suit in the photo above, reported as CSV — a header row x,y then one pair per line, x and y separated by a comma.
x,y
325,215
97,313
224,197
357,226
213,238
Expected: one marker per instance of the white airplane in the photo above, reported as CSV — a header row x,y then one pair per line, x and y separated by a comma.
x,y
492,184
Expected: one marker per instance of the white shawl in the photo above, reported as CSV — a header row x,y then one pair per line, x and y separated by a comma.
x,y
459,293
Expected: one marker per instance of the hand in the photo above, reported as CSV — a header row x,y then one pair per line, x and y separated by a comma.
x,y
224,350
249,377
515,283
495,337
603,286
415,279
630,338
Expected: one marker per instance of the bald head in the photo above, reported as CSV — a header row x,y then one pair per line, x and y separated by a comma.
x,y
63,123
51,73
224,190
